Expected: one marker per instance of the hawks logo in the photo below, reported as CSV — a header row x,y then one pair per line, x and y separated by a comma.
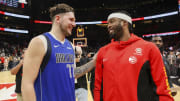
x,y
132,59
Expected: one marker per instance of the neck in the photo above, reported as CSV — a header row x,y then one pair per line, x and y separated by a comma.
x,y
125,36
56,31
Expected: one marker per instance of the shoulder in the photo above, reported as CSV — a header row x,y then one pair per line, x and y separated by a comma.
x,y
104,49
44,41
150,45
147,44
37,40
36,45
42,37
70,43
151,48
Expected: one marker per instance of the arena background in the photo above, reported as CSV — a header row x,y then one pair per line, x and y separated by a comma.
x,y
21,20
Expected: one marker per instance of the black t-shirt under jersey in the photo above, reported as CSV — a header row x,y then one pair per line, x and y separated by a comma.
x,y
18,80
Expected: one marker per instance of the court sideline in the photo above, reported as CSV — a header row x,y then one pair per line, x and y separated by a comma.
x,y
7,86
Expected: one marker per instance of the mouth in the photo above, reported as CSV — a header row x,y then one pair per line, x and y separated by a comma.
x,y
110,31
70,29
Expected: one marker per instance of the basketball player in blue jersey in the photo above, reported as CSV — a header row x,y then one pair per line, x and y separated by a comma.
x,y
48,73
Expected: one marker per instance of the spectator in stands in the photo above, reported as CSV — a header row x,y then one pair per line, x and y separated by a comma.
x,y
80,85
1,65
172,61
6,61
2,61
157,40
178,64
171,57
10,64
17,70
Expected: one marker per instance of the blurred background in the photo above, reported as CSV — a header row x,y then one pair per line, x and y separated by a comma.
x,y
21,20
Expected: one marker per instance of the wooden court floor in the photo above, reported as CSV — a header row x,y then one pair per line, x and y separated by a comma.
x,y
6,77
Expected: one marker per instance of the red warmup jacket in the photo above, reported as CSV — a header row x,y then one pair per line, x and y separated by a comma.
x,y
131,70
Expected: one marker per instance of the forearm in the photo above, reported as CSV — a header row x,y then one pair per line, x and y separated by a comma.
x,y
80,71
15,70
28,92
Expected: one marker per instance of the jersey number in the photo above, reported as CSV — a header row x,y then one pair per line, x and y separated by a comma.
x,y
71,67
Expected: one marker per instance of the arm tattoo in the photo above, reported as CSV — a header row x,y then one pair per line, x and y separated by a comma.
x,y
80,71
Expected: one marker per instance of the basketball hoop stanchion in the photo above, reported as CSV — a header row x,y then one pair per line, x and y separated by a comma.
x,y
82,42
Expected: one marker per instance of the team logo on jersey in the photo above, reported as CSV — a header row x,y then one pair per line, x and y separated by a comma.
x,y
138,51
56,45
69,48
105,59
64,58
132,59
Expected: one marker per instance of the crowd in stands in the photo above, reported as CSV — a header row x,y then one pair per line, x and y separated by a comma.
x,y
10,54
171,51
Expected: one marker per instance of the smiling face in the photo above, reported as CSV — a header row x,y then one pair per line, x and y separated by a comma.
x,y
115,28
67,23
62,16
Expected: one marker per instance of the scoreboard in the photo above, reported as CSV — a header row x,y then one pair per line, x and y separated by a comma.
x,y
11,3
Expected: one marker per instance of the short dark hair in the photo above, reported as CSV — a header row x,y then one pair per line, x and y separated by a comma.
x,y
59,9
155,37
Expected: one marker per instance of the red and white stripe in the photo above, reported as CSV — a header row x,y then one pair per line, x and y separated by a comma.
x,y
7,92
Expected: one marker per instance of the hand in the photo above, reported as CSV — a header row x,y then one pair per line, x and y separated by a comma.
x,y
95,56
21,62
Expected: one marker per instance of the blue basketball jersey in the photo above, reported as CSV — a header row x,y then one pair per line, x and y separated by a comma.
x,y
55,81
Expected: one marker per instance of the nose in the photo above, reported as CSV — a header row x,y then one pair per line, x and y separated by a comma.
x,y
109,26
74,24
158,42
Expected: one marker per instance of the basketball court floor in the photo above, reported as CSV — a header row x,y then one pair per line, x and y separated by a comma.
x,y
7,86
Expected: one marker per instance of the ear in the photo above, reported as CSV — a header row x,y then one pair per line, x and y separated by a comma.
x,y
122,23
57,18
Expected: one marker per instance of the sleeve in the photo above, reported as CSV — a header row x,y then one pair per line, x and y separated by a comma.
x,y
159,75
166,64
98,77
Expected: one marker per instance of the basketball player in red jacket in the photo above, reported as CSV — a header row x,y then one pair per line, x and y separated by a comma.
x,y
129,68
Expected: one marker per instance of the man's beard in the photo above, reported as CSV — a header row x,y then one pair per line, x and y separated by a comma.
x,y
118,33
65,32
